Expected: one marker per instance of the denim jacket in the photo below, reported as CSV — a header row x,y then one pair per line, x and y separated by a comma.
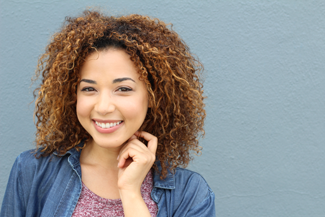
x,y
51,186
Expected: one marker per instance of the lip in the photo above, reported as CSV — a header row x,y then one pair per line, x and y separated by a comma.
x,y
105,121
107,130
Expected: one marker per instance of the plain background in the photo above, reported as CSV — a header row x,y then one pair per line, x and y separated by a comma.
x,y
263,154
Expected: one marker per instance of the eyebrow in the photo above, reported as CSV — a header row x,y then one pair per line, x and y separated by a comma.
x,y
122,79
88,81
117,80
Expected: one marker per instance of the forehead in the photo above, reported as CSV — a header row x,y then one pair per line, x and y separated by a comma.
x,y
109,63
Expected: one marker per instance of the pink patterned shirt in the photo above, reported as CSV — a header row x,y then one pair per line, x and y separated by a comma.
x,y
90,204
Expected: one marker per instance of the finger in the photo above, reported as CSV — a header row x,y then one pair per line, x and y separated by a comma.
x,y
125,145
132,137
127,155
152,140
134,143
122,158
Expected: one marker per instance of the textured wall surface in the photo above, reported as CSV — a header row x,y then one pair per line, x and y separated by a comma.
x,y
263,154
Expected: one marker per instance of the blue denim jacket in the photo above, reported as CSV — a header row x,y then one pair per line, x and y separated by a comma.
x,y
50,186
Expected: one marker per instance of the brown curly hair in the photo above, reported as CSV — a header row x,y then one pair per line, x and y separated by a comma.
x,y
165,63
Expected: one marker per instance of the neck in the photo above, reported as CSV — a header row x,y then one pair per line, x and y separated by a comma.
x,y
95,155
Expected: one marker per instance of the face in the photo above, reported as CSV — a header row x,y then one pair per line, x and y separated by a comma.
x,y
111,100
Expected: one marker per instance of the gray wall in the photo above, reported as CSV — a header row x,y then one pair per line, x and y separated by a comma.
x,y
264,77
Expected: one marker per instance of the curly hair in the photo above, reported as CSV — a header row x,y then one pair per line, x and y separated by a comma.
x,y
165,63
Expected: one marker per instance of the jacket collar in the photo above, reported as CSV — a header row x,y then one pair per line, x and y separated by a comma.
x,y
72,151
166,183
74,157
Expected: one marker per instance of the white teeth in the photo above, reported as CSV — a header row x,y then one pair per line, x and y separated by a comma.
x,y
107,125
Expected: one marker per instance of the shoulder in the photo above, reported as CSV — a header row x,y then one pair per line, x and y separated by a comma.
x,y
26,161
28,167
37,174
192,194
182,173
27,157
31,160
36,182
190,182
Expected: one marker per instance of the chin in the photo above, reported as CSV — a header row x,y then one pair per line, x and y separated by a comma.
x,y
104,143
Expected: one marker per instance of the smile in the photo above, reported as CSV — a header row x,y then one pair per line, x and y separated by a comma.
x,y
107,125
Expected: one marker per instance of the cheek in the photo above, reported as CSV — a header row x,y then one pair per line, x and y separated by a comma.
x,y
136,109
83,108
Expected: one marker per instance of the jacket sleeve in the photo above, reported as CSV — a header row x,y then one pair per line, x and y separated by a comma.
x,y
194,197
204,209
13,202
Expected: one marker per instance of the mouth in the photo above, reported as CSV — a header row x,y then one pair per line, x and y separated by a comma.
x,y
108,124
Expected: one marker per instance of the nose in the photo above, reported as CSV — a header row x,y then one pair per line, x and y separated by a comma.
x,y
104,104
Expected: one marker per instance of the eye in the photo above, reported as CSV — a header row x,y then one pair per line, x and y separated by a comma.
x,y
88,89
124,89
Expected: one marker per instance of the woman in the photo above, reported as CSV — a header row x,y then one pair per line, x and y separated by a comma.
x,y
119,109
